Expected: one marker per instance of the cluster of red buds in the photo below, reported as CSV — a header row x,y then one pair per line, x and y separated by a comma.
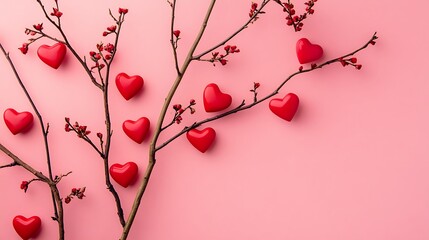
x,y
75,192
96,56
80,130
110,30
350,61
179,110
55,12
216,57
37,30
295,20
24,48
253,9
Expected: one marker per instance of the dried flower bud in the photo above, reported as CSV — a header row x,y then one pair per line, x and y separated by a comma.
x,y
176,33
24,185
123,10
38,27
56,13
177,107
24,48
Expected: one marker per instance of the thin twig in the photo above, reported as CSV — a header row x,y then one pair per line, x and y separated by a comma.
x,y
13,164
244,26
173,42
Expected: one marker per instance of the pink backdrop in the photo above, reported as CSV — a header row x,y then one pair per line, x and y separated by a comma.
x,y
352,164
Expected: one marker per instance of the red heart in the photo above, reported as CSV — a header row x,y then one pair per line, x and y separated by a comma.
x,y
17,122
308,52
201,140
214,99
136,130
52,55
129,86
27,227
124,175
285,108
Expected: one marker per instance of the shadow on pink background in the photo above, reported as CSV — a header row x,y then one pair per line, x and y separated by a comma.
x,y
351,165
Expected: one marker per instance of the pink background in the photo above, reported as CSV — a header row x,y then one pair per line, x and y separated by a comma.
x,y
353,163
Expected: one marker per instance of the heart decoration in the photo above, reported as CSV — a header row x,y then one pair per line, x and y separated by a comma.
x,y
201,140
53,55
214,99
17,122
27,227
136,130
285,108
308,52
129,86
124,175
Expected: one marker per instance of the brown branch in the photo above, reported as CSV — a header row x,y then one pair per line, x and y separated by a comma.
x,y
45,130
109,132
243,105
69,46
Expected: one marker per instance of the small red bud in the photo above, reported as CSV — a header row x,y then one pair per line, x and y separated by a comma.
x,y
358,67
38,27
99,135
192,102
227,47
67,200
177,107
301,68
111,28
24,48
105,34
176,33
223,61
123,10
353,60
24,185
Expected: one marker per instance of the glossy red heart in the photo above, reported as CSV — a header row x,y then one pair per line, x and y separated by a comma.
x,y
129,86
136,130
52,55
27,227
214,99
201,140
17,122
308,52
285,108
124,175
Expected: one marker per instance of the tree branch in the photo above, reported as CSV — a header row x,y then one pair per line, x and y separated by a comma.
x,y
243,106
